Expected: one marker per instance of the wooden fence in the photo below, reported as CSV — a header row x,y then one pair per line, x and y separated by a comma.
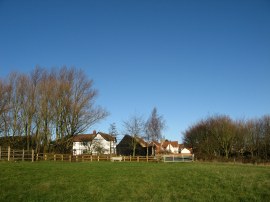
x,y
8,154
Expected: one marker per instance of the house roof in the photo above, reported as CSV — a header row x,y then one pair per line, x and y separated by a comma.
x,y
141,141
83,137
107,136
173,143
156,143
90,137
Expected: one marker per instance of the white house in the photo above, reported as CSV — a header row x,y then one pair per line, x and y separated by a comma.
x,y
95,144
170,146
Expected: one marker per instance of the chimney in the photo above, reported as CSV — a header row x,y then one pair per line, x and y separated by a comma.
x,y
94,132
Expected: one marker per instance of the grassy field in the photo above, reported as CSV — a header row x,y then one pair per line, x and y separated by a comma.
x,y
123,181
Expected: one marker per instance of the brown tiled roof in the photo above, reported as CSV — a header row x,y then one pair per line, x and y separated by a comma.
x,y
181,146
84,137
90,137
173,143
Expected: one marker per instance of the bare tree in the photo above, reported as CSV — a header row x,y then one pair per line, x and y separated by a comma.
x,y
14,115
74,108
114,133
6,121
224,130
97,147
33,123
113,130
61,104
265,137
93,146
251,137
45,113
24,92
4,107
135,127
81,113
154,125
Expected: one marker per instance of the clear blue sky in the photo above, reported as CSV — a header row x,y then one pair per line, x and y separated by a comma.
x,y
190,59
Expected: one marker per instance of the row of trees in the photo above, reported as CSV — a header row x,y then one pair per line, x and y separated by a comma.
x,y
48,105
220,136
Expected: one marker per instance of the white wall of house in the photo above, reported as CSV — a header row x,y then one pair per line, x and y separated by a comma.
x,y
79,148
172,149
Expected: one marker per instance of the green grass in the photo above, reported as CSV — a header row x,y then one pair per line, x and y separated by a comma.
x,y
123,181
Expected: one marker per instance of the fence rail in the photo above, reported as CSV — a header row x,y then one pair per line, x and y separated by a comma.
x,y
8,154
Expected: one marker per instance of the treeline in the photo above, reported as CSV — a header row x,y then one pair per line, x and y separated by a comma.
x,y
47,107
220,137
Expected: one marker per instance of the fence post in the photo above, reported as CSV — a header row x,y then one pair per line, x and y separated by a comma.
x,y
23,155
45,157
8,153
0,152
62,157
138,158
97,158
54,157
37,157
82,158
33,155
76,158
130,158
70,158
